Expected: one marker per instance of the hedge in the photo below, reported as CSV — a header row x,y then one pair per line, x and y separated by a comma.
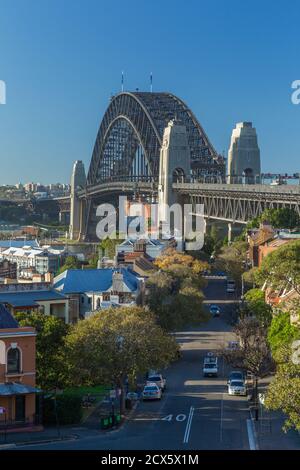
x,y
68,406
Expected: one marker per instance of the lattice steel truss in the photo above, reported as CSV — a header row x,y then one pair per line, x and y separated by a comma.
x,y
238,203
130,137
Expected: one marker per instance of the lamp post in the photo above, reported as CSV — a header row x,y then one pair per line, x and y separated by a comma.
x,y
120,342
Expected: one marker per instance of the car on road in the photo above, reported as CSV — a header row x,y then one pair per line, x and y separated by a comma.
x,y
151,392
236,375
158,380
230,286
214,310
233,346
210,366
237,387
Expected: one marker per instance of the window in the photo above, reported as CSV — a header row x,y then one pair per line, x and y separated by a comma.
x,y
13,360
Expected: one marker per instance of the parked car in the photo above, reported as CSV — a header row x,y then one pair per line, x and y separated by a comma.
x,y
230,286
233,345
157,379
214,310
210,366
151,392
237,387
236,375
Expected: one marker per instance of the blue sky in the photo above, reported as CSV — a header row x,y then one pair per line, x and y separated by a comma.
x,y
61,61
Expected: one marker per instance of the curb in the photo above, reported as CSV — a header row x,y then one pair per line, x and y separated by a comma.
x,y
45,441
7,446
252,434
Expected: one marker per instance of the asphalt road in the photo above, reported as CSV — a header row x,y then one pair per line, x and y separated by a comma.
x,y
195,413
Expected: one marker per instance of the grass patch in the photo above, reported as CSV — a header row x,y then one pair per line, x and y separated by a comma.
x,y
98,391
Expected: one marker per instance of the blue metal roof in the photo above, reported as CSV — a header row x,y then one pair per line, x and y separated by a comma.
x,y
75,281
15,388
18,243
6,319
30,298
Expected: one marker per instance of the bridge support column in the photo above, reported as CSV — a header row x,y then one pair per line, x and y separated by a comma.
x,y
229,233
174,165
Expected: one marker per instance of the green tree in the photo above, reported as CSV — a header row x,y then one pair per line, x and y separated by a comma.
x,y
281,268
254,353
51,332
232,259
115,344
71,263
256,305
281,332
284,391
108,246
284,217
174,294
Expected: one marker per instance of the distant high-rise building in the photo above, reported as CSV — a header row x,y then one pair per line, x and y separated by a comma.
x,y
244,155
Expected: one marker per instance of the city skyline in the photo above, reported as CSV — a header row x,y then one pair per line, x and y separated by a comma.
x,y
59,78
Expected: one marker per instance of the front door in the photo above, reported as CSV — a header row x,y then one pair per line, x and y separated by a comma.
x,y
20,408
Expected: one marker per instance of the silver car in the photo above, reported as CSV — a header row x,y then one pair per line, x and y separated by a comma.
x,y
237,387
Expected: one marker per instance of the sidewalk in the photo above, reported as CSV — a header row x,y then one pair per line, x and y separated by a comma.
x,y
269,433
90,427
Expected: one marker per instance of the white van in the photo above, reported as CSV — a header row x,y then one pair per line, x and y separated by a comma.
x,y
210,366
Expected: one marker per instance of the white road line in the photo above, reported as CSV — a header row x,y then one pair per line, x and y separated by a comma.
x,y
221,419
188,426
251,436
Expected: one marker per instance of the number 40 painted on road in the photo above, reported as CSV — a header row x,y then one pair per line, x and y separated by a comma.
x,y
178,418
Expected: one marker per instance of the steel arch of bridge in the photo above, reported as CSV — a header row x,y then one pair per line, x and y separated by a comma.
x,y
136,120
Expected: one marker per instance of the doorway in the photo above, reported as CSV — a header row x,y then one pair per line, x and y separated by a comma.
x,y
20,408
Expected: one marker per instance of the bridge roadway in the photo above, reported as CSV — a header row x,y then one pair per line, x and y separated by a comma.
x,y
233,203
238,203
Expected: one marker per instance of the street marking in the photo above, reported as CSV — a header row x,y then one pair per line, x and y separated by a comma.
x,y
188,426
221,420
251,437
181,417
167,418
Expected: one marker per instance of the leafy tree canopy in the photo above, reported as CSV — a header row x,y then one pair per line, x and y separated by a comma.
x,y
51,332
114,344
279,218
282,332
281,268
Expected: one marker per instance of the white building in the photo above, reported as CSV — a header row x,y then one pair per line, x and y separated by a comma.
x,y
27,257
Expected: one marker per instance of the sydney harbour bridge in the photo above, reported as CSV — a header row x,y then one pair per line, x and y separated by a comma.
x,y
127,160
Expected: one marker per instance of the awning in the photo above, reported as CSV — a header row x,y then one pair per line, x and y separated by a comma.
x,y
14,388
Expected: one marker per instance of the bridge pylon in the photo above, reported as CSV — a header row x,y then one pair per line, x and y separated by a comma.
x,y
244,155
175,165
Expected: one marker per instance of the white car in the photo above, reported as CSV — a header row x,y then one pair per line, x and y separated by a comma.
x,y
237,387
151,392
210,366
158,380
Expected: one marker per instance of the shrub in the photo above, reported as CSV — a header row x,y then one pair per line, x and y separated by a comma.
x,y
68,406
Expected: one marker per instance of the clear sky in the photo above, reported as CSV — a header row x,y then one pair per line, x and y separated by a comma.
x,y
61,60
